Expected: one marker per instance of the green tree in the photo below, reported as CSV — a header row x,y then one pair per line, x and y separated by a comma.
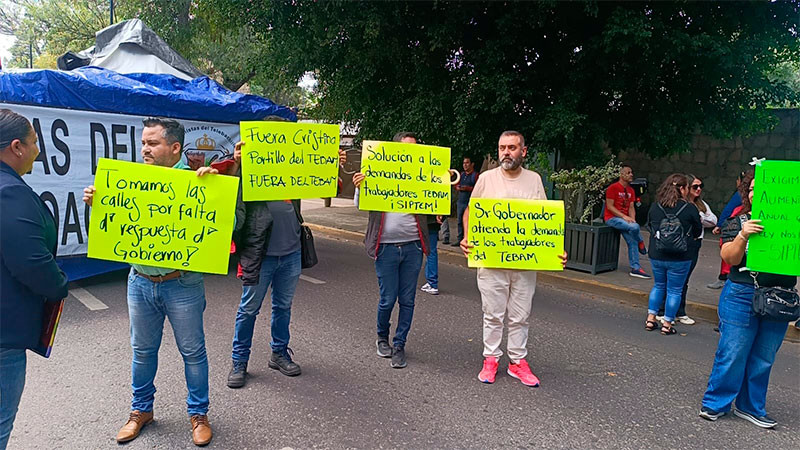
x,y
574,77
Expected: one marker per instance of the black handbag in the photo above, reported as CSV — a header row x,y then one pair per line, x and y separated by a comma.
x,y
775,303
308,254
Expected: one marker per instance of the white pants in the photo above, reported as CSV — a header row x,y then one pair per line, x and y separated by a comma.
x,y
506,293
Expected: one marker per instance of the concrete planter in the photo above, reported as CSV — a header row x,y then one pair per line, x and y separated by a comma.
x,y
591,248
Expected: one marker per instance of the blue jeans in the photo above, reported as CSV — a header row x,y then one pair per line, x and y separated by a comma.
x,y
397,267
432,262
745,353
460,208
12,381
632,235
182,301
668,279
694,253
283,273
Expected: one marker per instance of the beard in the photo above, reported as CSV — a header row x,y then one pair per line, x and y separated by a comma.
x,y
509,163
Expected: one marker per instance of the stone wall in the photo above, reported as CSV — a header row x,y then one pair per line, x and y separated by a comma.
x,y
718,161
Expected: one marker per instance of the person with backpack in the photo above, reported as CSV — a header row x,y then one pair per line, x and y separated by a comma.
x,y
673,224
708,219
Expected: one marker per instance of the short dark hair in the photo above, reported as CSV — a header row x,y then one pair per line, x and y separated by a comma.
x,y
13,126
404,134
173,130
624,165
515,133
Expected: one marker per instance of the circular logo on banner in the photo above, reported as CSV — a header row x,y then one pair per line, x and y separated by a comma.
x,y
205,144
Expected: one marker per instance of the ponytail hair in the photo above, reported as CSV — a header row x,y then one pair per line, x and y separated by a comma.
x,y
669,192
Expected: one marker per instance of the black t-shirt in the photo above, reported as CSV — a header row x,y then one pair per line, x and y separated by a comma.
x,y
690,219
730,228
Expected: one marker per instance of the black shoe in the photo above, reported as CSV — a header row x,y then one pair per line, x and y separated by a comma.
x,y
399,357
384,350
238,374
763,421
283,361
710,414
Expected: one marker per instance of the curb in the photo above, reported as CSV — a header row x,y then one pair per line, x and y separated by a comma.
x,y
702,311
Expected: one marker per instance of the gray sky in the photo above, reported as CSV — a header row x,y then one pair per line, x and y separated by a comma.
x,y
5,46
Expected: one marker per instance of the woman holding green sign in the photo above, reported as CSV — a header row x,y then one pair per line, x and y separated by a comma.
x,y
747,343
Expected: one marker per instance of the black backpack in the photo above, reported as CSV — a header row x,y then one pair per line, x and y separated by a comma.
x,y
670,236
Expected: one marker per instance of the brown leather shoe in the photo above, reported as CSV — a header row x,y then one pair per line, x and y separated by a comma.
x,y
201,430
134,425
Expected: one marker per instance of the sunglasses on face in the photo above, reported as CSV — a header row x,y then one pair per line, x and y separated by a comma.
x,y
697,186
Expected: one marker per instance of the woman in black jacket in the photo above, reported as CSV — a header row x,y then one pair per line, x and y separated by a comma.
x,y
673,223
29,275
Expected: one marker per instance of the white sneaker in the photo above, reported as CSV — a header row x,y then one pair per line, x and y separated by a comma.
x,y
661,319
428,289
686,320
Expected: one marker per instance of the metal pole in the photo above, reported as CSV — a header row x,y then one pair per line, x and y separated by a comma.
x,y
111,11
30,55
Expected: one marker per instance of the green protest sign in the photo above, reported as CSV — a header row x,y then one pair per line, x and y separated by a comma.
x,y
776,202
287,160
516,234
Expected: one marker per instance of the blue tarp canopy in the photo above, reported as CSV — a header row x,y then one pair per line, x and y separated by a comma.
x,y
144,94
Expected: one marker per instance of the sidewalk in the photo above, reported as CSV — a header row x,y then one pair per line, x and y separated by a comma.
x,y
701,301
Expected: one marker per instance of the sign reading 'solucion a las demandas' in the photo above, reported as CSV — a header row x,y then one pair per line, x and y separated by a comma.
x,y
516,234
162,217
405,178
287,160
776,202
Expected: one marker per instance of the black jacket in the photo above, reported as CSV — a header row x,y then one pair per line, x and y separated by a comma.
x,y
251,235
29,275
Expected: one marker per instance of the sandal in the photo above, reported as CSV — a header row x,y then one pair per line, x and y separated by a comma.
x,y
650,325
666,331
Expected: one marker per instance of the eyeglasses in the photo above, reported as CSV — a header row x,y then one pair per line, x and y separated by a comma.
x,y
698,186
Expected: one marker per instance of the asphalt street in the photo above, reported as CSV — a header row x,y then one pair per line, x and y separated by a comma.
x,y
606,382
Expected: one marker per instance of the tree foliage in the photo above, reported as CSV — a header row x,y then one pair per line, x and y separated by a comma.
x,y
574,77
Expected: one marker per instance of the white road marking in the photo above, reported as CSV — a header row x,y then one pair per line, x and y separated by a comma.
x,y
311,280
88,300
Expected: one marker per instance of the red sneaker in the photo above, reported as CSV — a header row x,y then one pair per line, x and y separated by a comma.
x,y
489,370
523,373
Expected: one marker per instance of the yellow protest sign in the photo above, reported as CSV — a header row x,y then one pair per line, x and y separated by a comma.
x,y
516,234
288,160
405,178
162,217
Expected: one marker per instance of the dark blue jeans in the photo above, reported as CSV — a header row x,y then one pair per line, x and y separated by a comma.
x,y
283,273
668,279
397,267
745,353
12,382
432,262
460,208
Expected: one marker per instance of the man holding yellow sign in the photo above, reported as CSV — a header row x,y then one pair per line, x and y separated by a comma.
x,y
396,241
157,292
508,283
268,228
